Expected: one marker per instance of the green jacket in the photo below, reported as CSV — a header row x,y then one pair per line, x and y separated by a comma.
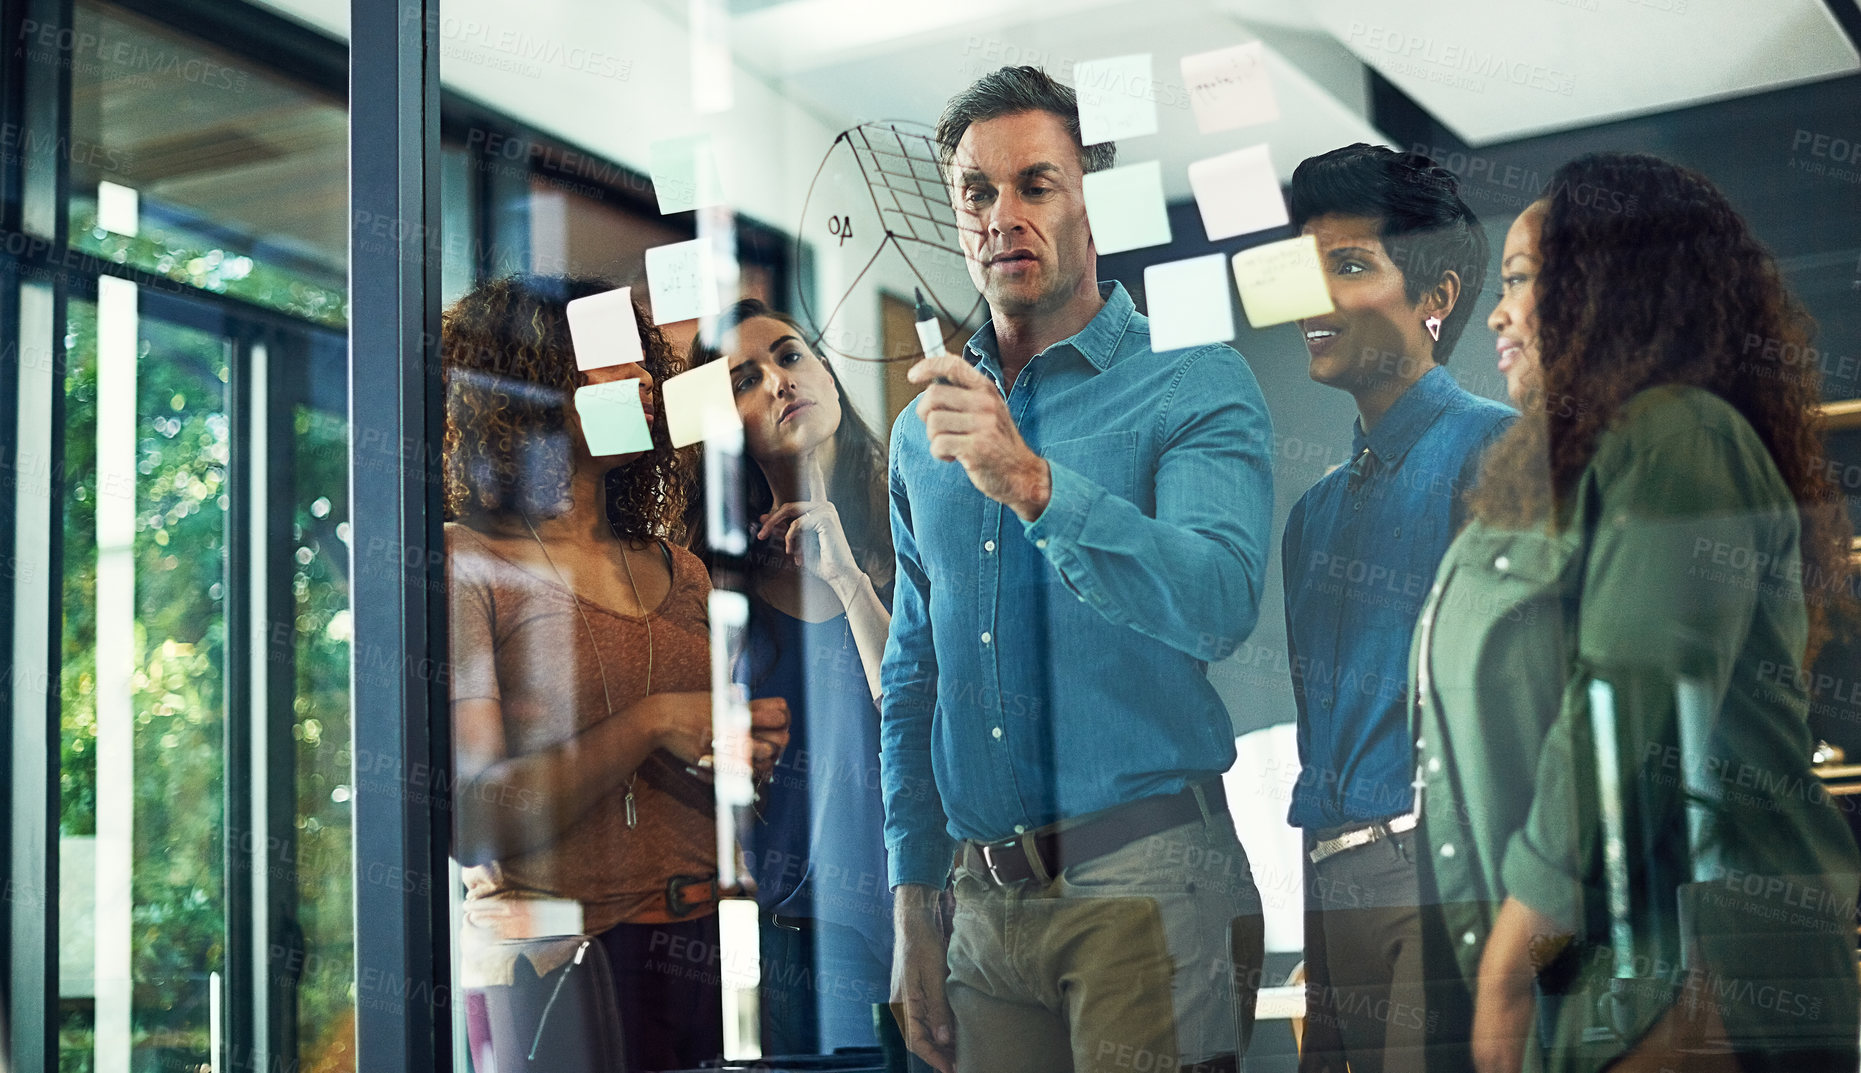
x,y
1679,563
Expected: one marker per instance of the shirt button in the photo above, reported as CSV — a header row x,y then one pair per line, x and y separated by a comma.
x,y
988,546
1447,850
1469,938
1434,764
1502,564
997,732
1041,543
1422,743
985,637
1020,829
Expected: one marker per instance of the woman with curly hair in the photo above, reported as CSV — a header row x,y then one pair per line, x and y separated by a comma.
x,y
580,676
1634,866
819,580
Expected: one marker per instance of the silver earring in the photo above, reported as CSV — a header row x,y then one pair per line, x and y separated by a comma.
x,y
1433,324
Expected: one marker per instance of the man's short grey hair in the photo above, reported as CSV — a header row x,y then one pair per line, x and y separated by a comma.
x,y
1011,91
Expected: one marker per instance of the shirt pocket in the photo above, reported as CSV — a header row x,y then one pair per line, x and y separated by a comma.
x,y
1107,459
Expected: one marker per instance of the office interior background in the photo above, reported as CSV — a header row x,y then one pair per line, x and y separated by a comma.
x,y
226,229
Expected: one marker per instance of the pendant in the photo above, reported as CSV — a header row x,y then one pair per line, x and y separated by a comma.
x,y
633,815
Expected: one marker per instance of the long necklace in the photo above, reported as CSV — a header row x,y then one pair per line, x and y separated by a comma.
x,y
633,816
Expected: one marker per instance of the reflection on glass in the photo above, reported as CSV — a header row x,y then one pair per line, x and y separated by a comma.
x,y
143,693
198,165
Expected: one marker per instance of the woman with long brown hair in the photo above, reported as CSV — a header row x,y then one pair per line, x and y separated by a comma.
x,y
1634,865
819,581
580,678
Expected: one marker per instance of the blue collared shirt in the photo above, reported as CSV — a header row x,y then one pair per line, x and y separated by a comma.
x,y
1359,555
1047,669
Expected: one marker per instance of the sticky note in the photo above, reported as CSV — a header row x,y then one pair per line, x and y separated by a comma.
x,y
1238,193
604,330
698,402
613,421
1229,88
1125,207
1281,281
1189,303
685,174
682,280
1116,98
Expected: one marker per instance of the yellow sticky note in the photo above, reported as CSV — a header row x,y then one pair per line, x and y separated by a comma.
x,y
699,402
1281,282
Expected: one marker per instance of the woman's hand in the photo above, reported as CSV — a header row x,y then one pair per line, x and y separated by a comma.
x,y
810,532
681,724
1504,1005
768,734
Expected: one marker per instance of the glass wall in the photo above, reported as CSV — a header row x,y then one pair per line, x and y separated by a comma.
x,y
800,699
1243,640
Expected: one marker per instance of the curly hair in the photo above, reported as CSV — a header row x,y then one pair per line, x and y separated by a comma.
x,y
1650,277
510,376
859,476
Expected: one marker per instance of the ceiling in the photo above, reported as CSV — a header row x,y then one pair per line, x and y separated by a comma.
x,y
1490,72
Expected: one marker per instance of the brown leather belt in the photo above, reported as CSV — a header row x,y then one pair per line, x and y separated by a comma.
x,y
1045,851
685,894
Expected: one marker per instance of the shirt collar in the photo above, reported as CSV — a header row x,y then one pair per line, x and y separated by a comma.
x,y
1407,419
1098,342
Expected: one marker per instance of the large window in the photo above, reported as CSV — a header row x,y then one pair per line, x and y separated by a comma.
x,y
189,886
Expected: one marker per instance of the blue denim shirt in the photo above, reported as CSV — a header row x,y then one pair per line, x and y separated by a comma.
x,y
1359,556
1042,670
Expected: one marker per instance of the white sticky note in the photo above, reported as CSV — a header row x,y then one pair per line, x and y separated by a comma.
x,y
119,208
1281,281
613,421
1125,207
1229,88
685,174
605,330
1238,193
1116,98
682,280
698,402
1189,303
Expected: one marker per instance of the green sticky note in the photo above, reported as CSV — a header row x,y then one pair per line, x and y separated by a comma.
x,y
1281,282
613,421
685,175
1126,209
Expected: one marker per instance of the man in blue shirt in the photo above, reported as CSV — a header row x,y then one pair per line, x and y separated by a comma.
x,y
1404,257
1081,527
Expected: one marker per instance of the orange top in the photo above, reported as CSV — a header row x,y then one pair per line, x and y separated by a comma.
x,y
518,639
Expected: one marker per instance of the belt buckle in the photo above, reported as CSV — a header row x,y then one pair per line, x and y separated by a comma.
x,y
676,905
988,860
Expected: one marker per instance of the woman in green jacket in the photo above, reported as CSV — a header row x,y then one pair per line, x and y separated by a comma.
x,y
1634,866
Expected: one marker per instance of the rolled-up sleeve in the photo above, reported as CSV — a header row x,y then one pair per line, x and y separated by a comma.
x,y
1655,609
917,842
1190,577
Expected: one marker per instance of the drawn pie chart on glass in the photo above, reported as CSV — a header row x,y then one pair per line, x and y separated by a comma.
x,y
878,207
